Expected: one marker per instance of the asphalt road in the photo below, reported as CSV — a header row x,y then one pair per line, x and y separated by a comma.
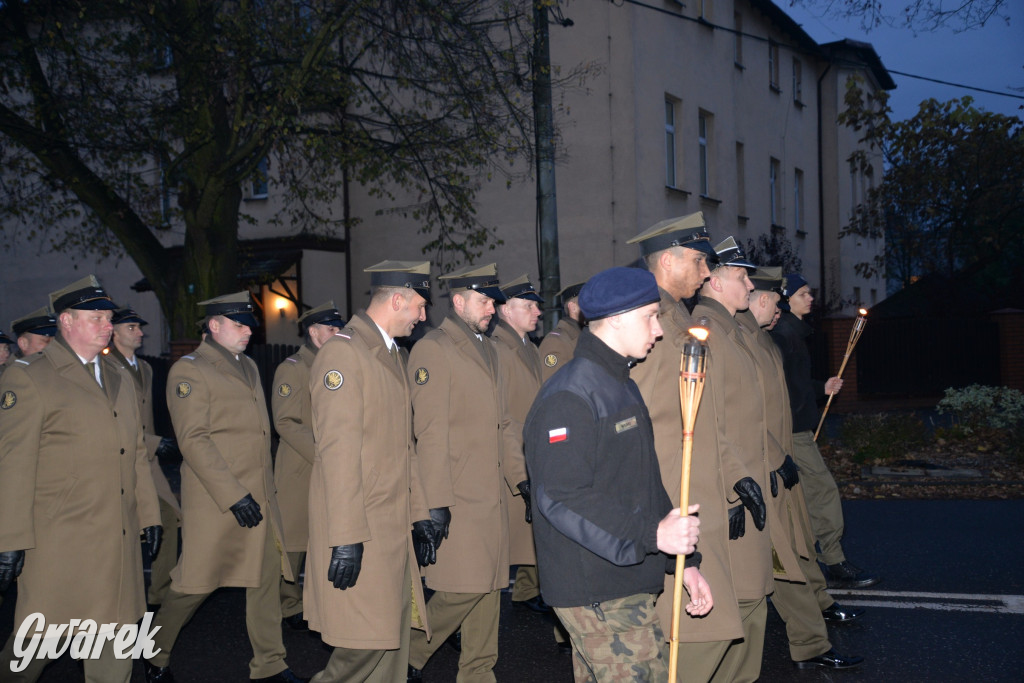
x,y
950,608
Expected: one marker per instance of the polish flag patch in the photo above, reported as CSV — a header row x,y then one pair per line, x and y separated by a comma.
x,y
556,435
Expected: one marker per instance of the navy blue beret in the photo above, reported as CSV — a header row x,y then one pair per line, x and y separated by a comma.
x,y
794,281
617,290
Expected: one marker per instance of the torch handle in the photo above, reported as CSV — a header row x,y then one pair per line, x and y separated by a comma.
x,y
677,593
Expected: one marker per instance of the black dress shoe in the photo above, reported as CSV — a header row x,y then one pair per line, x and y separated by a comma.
x,y
157,674
415,675
536,604
286,676
836,613
830,660
454,641
846,575
296,622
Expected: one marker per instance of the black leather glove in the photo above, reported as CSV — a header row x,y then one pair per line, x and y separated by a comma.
x,y
789,472
11,564
737,522
750,495
524,490
441,518
423,542
168,448
247,512
154,536
346,561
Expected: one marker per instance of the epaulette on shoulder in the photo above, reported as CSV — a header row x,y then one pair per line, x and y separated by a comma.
x,y
291,359
190,356
343,336
31,359
555,334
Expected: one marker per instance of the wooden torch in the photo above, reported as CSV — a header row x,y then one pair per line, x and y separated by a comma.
x,y
691,386
858,328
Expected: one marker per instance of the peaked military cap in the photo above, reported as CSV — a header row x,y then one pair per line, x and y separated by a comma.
x,y
237,307
730,253
521,288
571,292
684,231
40,321
768,279
4,339
412,274
483,279
324,314
127,315
84,295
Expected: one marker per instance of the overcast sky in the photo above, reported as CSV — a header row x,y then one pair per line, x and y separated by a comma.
x,y
991,57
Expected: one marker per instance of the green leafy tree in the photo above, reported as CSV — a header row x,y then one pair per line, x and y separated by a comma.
x,y
130,125
953,191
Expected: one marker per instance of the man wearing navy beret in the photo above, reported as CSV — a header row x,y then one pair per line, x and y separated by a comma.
x,y
603,521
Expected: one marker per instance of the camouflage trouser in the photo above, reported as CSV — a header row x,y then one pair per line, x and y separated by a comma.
x,y
617,640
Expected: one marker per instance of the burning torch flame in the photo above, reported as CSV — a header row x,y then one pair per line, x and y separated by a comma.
x,y
698,333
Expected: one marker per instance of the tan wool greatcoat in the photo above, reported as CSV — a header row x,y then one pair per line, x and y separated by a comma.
x,y
558,346
75,488
143,377
457,419
788,519
220,418
365,489
293,420
521,376
729,436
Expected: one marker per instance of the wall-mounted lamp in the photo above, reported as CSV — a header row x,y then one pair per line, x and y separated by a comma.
x,y
280,303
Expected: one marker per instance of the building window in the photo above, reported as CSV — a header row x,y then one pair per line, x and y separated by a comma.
x,y
775,188
798,199
259,187
874,297
670,142
703,135
773,66
856,296
737,39
798,80
854,187
704,9
741,181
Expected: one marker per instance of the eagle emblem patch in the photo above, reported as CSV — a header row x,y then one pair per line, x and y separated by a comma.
x,y
285,390
8,400
422,376
333,380
551,360
183,389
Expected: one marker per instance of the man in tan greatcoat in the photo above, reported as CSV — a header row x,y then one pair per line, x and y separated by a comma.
x,y
293,420
675,250
126,340
521,376
71,440
366,501
34,331
800,596
558,345
457,416
231,526
729,482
